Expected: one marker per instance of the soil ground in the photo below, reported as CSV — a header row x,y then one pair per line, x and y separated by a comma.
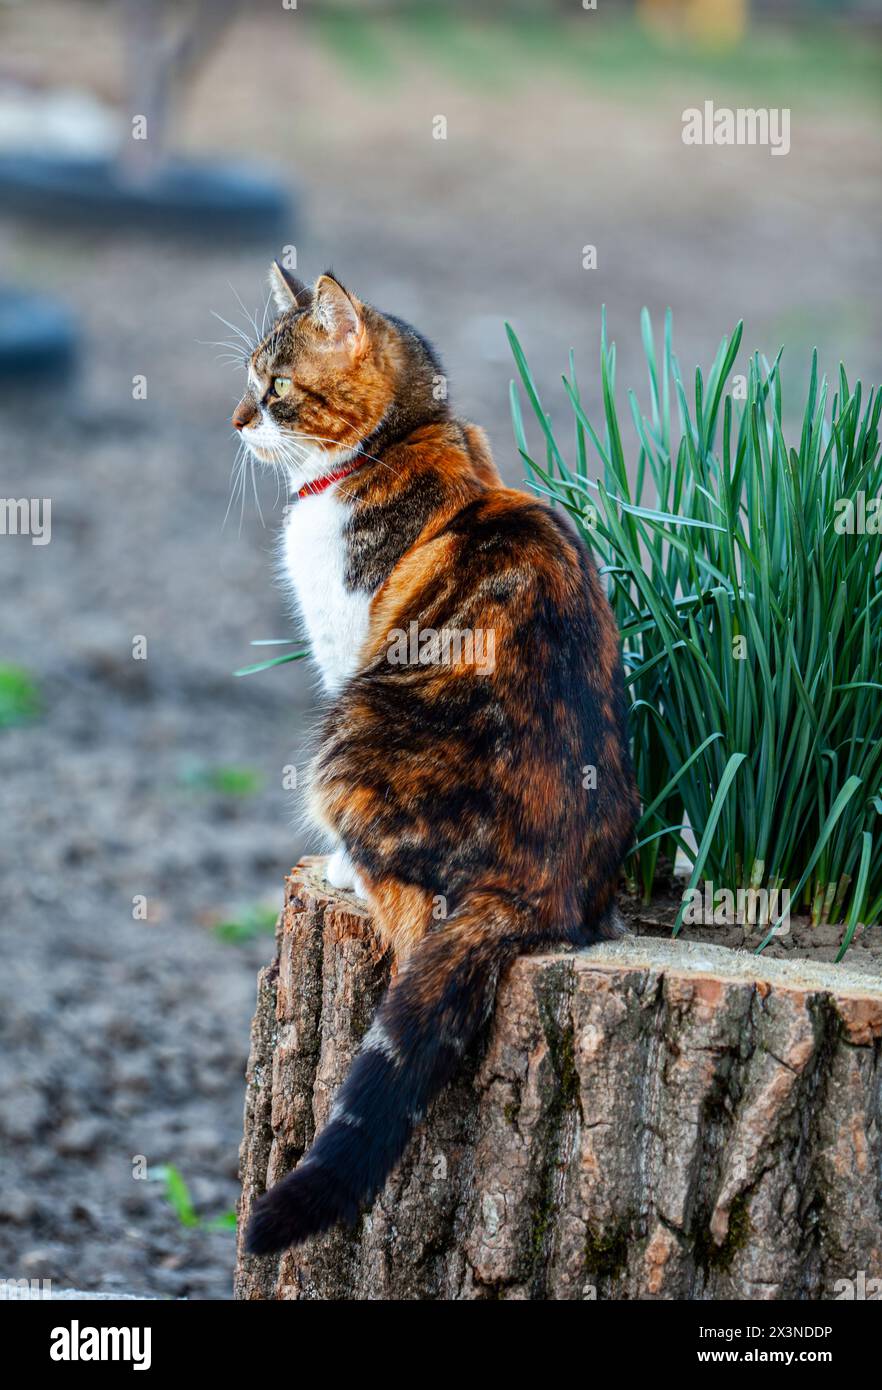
x,y
122,1038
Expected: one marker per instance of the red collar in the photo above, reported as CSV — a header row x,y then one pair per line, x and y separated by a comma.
x,y
319,485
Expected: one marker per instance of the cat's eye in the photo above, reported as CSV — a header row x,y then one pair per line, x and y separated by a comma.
x,y
281,386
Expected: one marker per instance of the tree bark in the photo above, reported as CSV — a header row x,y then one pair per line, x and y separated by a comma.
x,y
645,1119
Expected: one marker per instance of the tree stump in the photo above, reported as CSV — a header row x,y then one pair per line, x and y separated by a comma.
x,y
643,1119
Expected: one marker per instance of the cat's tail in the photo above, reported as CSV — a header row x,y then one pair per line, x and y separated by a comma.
x,y
429,1016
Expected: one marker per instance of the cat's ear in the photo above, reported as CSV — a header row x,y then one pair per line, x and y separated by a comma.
x,y
337,312
288,291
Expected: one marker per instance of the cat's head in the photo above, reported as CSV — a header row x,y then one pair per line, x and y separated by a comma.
x,y
331,372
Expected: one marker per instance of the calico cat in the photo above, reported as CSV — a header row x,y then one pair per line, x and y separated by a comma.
x,y
439,779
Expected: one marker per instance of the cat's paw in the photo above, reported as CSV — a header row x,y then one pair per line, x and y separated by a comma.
x,y
340,871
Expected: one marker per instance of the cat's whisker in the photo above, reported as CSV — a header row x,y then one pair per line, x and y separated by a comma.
x,y
222,343
278,470
256,498
358,449
282,470
293,454
242,488
291,449
266,309
235,329
252,318
233,354
238,470
284,462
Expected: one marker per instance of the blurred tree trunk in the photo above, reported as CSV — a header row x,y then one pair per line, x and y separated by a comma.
x,y
646,1119
159,58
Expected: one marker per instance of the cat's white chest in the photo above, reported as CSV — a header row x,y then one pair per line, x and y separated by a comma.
x,y
314,559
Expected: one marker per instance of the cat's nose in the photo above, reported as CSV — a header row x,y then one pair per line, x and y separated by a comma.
x,y
243,414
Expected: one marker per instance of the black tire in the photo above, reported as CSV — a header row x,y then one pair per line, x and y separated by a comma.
x,y
36,335
185,197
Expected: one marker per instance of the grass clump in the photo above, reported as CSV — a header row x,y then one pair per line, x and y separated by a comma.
x,y
19,696
177,1194
223,779
258,920
744,571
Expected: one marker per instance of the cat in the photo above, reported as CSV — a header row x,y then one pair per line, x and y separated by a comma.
x,y
439,779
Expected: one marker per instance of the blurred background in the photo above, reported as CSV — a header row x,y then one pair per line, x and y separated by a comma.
x,y
147,817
